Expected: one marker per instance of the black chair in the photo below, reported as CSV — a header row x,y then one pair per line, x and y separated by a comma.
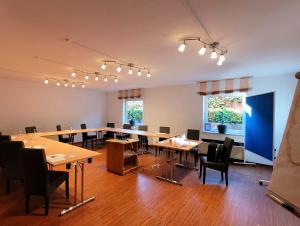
x,y
86,137
11,158
38,180
192,134
124,136
109,134
221,160
162,129
143,140
30,129
63,139
5,138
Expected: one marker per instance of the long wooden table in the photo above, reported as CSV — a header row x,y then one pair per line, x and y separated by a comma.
x,y
172,145
57,154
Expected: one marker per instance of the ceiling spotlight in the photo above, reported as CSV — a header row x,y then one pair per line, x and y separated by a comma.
x,y
213,54
220,62
148,74
222,57
58,84
73,74
119,69
116,80
96,78
181,48
73,85
139,72
130,71
87,77
105,79
82,86
46,81
103,66
66,84
202,50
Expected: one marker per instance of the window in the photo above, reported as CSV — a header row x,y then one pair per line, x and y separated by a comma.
x,y
133,112
224,109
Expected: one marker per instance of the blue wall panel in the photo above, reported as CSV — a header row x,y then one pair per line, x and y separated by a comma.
x,y
259,125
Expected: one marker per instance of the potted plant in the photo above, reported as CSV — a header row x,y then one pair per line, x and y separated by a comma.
x,y
222,127
131,117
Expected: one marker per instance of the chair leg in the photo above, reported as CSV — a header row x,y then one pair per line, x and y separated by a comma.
x,y
186,156
82,144
222,176
27,199
200,170
67,188
7,187
226,178
204,174
92,143
196,158
180,156
46,205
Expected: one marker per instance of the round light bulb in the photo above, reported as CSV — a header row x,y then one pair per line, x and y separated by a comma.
x,y
105,79
46,81
73,85
181,48
139,73
87,77
116,80
213,54
96,78
66,84
73,74
130,71
119,69
83,86
202,50
103,66
148,75
58,84
220,62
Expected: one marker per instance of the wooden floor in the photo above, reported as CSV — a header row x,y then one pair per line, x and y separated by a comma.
x,y
140,199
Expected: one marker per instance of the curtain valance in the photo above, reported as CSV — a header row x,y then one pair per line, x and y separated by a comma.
x,y
130,94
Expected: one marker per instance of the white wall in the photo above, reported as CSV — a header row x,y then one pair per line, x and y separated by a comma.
x,y
180,107
45,106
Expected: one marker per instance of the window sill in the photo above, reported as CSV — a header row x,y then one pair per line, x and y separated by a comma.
x,y
231,134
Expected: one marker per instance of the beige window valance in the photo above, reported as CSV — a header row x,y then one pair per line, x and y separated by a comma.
x,y
130,94
231,85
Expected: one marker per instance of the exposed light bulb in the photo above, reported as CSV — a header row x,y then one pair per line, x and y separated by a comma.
x,y
73,85
66,84
82,86
130,71
103,66
73,74
96,78
116,80
139,72
220,62
87,77
58,84
202,50
119,69
148,75
46,81
222,57
105,79
213,54
181,48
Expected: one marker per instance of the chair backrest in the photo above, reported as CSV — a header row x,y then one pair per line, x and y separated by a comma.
x,y
193,134
164,129
5,138
30,129
110,125
0,133
83,126
60,137
227,148
143,127
126,126
11,158
35,171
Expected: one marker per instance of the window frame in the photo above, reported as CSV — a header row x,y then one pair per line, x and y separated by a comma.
x,y
228,131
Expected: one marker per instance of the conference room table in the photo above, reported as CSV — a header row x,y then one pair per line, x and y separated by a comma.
x,y
58,154
176,144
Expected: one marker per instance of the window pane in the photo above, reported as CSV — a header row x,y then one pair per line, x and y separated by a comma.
x,y
134,112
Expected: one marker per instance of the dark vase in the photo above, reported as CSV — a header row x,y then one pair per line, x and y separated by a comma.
x,y
131,122
222,128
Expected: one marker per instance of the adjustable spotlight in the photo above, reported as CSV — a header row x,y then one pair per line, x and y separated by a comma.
x,y
220,62
181,48
66,84
130,71
222,57
139,72
87,77
213,54
202,50
82,86
116,80
105,79
96,78
46,81
119,69
74,74
58,83
103,66
148,74
73,85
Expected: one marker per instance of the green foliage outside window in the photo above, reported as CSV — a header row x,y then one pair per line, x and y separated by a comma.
x,y
135,111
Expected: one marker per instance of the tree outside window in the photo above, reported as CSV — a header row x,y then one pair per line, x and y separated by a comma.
x,y
134,112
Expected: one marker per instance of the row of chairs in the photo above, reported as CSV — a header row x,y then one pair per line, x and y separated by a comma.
x,y
29,166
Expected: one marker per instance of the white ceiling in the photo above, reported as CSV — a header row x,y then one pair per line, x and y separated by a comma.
x,y
262,38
